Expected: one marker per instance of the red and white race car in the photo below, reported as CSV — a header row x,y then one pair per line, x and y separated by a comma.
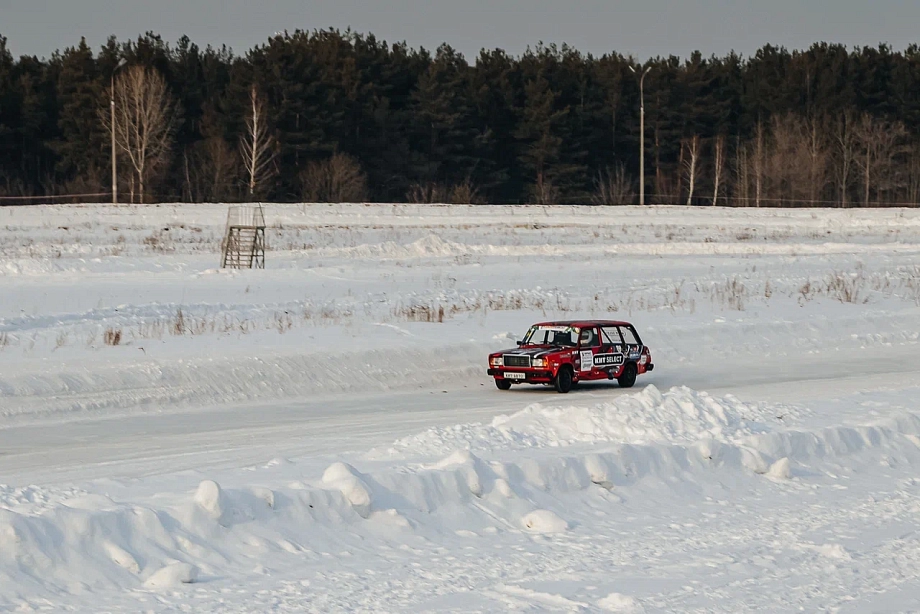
x,y
565,353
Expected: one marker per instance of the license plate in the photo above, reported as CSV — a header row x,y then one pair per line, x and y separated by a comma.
x,y
515,376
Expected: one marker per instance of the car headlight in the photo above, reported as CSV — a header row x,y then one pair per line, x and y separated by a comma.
x,y
539,363
644,359
498,362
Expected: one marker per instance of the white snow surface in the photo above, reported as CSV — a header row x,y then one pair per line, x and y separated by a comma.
x,y
678,415
321,435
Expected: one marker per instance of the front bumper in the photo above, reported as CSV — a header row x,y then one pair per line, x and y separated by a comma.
x,y
530,376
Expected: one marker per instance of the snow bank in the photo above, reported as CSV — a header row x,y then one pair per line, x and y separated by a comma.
x,y
71,231
678,415
142,383
433,246
49,538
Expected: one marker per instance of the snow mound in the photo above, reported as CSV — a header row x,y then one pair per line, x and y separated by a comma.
x,y
680,415
431,246
781,469
615,602
164,543
122,557
469,466
208,497
544,521
36,499
264,494
833,551
172,576
347,480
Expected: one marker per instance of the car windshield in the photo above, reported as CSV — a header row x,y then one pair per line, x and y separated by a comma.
x,y
552,335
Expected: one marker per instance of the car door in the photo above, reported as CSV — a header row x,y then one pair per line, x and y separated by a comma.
x,y
612,352
588,346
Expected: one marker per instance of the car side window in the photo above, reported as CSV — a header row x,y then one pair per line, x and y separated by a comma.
x,y
628,337
561,338
633,345
588,338
610,336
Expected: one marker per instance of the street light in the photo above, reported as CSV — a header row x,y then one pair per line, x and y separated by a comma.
x,y
121,63
641,133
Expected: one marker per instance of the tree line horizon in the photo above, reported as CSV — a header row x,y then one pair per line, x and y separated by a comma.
x,y
332,116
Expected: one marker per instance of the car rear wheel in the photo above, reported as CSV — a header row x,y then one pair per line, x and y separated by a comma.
x,y
503,384
628,379
563,381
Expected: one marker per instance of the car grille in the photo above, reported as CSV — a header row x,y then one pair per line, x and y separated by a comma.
x,y
514,360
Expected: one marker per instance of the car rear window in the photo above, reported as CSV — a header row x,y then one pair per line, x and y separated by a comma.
x,y
628,336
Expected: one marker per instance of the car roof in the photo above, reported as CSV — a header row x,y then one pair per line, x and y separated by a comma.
x,y
584,323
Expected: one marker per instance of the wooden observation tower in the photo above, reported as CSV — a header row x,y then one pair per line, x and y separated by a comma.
x,y
244,240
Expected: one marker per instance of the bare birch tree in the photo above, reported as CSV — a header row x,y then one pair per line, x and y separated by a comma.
x,y
742,189
145,115
613,187
912,179
257,145
691,163
879,143
758,161
213,170
718,164
817,159
681,167
543,191
338,179
845,144
788,158
221,167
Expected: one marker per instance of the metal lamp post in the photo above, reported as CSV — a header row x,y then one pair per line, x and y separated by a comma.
x,y
121,63
641,132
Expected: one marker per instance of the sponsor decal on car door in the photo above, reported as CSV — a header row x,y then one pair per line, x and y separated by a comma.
x,y
603,361
611,355
589,345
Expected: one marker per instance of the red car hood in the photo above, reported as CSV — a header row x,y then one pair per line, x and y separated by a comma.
x,y
535,351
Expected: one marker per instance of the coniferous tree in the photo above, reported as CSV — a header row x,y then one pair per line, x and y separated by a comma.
x,y
540,140
82,145
444,135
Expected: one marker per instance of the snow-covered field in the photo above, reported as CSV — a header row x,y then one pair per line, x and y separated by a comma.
x,y
321,435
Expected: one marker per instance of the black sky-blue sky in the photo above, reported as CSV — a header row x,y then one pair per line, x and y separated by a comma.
x,y
642,28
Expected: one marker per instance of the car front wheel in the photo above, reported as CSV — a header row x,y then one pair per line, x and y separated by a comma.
x,y
563,381
503,384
